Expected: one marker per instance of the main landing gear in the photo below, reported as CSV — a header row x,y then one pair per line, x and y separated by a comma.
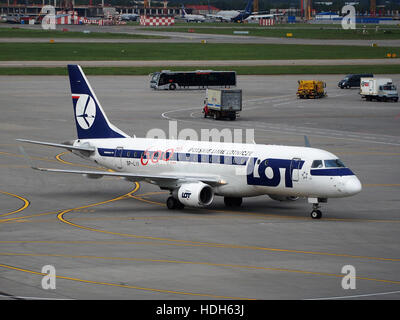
x,y
173,203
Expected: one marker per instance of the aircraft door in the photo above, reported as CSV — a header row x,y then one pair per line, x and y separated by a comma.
x,y
295,169
118,157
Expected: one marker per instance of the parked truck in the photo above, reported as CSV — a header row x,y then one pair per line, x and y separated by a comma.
x,y
311,89
223,103
353,80
380,89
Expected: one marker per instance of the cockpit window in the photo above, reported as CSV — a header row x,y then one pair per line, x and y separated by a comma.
x,y
317,164
388,87
336,163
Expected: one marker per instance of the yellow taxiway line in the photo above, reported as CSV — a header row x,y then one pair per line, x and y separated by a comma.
x,y
24,206
125,286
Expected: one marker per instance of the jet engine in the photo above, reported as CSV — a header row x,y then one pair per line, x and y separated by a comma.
x,y
197,194
283,198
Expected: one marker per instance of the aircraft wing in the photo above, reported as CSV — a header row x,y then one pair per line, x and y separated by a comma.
x,y
155,179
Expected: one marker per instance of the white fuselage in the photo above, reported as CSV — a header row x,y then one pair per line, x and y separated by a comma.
x,y
246,169
225,15
194,17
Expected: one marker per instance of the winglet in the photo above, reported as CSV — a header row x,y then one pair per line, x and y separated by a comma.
x,y
307,142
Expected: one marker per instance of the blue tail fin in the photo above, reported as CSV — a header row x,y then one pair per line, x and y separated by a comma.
x,y
248,7
91,121
183,11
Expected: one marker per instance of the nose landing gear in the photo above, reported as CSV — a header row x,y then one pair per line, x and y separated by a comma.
x,y
316,212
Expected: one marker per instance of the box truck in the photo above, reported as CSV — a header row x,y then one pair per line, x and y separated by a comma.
x,y
380,89
222,103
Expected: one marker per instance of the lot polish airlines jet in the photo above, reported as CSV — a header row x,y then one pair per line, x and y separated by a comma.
x,y
196,171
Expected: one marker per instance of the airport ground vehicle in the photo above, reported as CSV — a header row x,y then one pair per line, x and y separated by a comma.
x,y
171,80
353,80
311,89
381,89
129,17
223,103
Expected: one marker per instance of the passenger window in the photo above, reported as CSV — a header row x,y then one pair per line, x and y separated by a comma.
x,y
317,164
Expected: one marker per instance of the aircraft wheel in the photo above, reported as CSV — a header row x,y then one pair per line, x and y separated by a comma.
x,y
173,203
316,214
217,115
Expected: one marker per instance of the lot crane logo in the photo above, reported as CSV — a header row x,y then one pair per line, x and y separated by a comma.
x,y
85,111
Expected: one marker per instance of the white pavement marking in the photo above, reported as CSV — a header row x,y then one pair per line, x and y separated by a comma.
x,y
357,296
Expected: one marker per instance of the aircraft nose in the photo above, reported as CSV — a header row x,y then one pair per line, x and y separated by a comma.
x,y
353,186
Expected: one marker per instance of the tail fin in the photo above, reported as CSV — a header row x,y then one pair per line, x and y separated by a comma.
x,y
248,7
183,11
91,121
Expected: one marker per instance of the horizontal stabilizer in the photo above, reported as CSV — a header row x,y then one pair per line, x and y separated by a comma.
x,y
59,145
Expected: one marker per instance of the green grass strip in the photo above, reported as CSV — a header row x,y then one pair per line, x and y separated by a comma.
x,y
332,32
56,34
184,51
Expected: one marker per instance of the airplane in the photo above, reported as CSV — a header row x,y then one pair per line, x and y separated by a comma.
x,y
129,16
233,15
194,172
192,17
256,17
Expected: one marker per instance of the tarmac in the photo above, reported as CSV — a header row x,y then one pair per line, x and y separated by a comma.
x,y
110,239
